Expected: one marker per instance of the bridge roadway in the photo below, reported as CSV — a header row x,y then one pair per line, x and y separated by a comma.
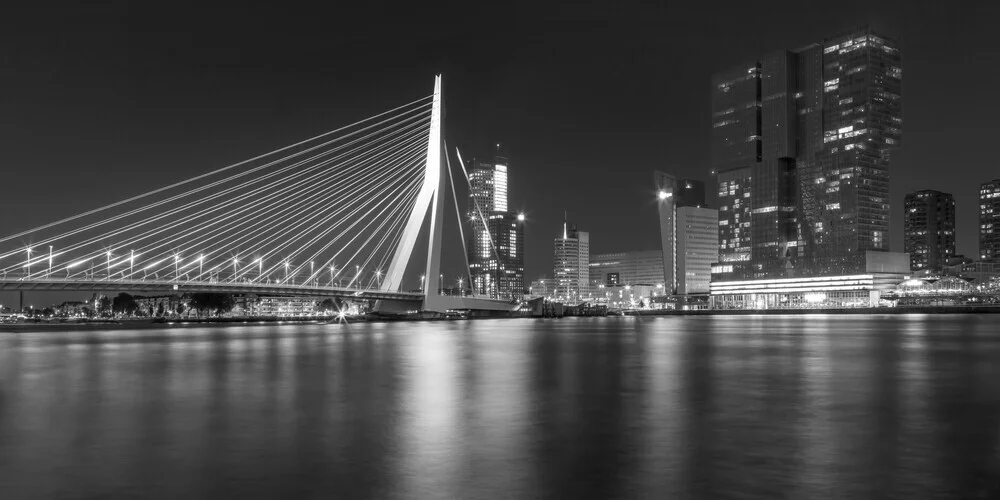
x,y
171,286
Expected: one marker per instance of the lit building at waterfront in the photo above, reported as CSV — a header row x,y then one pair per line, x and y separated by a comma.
x,y
989,221
673,194
697,248
571,264
496,238
801,144
627,268
883,271
929,229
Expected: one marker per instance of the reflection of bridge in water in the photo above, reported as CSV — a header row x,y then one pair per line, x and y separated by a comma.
x,y
344,208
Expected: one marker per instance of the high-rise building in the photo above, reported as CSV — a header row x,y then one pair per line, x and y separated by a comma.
x,y
673,193
801,142
496,240
929,229
989,221
697,248
571,263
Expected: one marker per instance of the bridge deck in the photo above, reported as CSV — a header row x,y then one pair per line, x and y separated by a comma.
x,y
170,286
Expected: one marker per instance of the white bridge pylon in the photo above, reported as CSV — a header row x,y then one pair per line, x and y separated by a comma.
x,y
431,196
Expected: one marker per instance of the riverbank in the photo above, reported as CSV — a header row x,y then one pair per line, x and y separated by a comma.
x,y
858,310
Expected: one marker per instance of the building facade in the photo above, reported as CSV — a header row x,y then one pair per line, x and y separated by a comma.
x,y
989,221
801,143
495,242
697,248
571,264
627,268
673,194
929,229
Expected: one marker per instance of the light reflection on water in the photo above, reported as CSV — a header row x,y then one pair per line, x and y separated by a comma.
x,y
686,407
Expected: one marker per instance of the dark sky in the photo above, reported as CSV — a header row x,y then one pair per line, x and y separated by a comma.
x,y
99,103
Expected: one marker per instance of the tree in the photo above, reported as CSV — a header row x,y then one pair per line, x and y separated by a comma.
x,y
104,305
213,303
124,304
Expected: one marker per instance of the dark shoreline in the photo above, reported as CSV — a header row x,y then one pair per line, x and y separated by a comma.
x,y
159,323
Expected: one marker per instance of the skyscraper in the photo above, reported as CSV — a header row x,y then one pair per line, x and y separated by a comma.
x,y
929,229
673,193
697,248
989,221
496,240
571,263
801,142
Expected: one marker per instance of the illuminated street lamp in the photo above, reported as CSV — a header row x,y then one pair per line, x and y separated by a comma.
x,y
286,271
177,260
260,267
378,276
520,217
109,265
50,261
235,261
311,270
29,262
201,262
357,274
333,268
131,262
663,195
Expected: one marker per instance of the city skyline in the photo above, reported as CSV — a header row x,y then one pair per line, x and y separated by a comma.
x,y
120,110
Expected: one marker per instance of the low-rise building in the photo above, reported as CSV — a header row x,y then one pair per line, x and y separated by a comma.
x,y
883,272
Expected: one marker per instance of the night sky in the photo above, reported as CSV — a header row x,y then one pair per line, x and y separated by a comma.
x,y
105,102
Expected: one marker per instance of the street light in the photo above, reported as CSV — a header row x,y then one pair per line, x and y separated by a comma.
x,y
177,260
357,274
50,261
260,267
109,265
131,262
29,262
332,269
201,262
662,195
378,275
235,261
286,271
520,217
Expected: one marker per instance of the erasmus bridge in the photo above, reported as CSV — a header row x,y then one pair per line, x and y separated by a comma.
x,y
336,215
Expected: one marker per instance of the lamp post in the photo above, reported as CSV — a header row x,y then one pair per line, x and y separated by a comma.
x,y
357,274
286,271
235,261
260,268
50,261
311,271
131,262
332,269
201,262
177,260
29,262
109,265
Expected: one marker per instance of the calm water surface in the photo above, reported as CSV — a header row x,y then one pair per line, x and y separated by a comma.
x,y
809,407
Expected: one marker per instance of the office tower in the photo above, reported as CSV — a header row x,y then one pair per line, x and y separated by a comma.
x,y
571,263
673,193
496,238
929,229
697,248
989,221
801,143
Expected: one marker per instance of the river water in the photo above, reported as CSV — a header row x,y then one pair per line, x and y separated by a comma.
x,y
809,407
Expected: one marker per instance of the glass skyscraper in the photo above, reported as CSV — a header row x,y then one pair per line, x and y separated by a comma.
x,y
801,143
989,221
495,243
929,229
